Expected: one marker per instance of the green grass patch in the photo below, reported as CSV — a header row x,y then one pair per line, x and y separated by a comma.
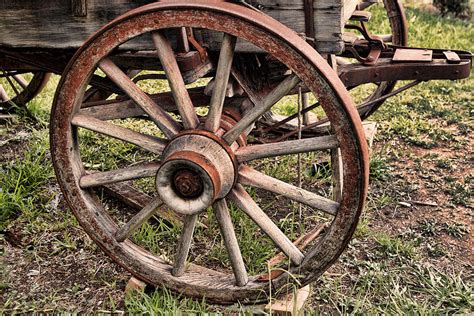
x,y
23,181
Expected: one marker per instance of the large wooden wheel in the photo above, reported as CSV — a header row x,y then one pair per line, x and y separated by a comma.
x,y
192,154
18,88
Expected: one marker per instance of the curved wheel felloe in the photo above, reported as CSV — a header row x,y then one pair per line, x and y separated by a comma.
x,y
190,149
18,88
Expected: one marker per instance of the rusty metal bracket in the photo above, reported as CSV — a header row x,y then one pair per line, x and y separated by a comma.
x,y
375,43
371,59
192,40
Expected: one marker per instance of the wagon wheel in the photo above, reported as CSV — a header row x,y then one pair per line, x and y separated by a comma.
x,y
18,88
395,14
196,163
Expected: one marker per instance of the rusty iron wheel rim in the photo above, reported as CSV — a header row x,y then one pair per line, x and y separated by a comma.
x,y
275,39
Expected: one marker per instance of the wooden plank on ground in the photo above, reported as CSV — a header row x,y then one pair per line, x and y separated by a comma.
x,y
291,304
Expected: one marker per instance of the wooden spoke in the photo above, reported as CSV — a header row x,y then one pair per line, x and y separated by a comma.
x,y
249,176
251,93
137,200
3,94
119,175
249,153
21,81
162,119
230,240
221,81
184,245
245,202
120,109
147,142
387,38
337,174
259,109
302,242
10,82
176,81
138,220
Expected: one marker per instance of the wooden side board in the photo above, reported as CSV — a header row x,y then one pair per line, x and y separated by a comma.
x,y
58,24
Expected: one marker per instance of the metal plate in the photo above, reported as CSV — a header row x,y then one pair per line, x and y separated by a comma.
x,y
452,57
418,55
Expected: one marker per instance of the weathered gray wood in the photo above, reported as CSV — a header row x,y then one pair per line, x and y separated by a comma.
x,y
337,174
259,109
21,81
55,26
79,7
147,142
115,109
301,242
329,19
162,119
249,176
138,200
230,240
141,217
184,245
249,153
176,81
3,94
221,81
119,175
245,202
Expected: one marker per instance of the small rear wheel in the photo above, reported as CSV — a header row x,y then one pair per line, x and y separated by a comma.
x,y
18,88
194,157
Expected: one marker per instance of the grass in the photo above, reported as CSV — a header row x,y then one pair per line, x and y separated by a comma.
x,y
23,181
396,264
402,290
163,302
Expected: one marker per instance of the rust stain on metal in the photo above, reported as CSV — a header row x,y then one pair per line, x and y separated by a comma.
x,y
188,183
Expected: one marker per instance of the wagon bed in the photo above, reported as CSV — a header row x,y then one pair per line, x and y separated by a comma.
x,y
66,24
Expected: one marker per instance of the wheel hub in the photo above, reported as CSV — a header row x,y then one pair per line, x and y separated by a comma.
x,y
197,169
188,183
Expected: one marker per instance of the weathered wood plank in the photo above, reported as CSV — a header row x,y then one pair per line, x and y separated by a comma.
x,y
55,25
79,7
